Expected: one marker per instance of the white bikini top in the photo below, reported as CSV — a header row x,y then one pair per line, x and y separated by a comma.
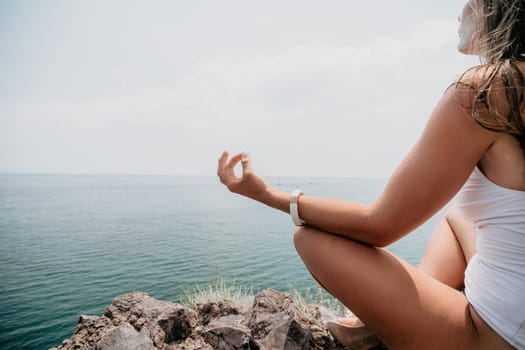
x,y
498,214
486,203
495,276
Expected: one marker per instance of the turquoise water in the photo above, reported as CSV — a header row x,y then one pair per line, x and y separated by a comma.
x,y
70,243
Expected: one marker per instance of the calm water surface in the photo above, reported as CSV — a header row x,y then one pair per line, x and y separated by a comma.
x,y
69,244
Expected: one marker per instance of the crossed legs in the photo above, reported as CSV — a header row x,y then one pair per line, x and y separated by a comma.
x,y
405,306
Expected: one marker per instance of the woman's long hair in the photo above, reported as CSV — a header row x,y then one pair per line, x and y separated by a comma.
x,y
497,85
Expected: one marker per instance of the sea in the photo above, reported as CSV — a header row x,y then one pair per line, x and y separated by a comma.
x,y
69,244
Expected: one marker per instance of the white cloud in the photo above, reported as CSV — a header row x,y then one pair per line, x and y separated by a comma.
x,y
378,93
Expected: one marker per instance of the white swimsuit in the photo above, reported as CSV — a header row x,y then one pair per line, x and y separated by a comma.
x,y
495,276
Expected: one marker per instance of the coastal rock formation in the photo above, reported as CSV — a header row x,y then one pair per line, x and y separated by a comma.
x,y
136,321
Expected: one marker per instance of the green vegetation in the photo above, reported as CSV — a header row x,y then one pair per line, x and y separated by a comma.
x,y
318,297
222,289
217,290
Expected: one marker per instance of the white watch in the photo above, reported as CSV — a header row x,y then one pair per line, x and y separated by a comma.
x,y
294,211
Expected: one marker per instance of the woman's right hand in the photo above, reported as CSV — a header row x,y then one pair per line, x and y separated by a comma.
x,y
250,184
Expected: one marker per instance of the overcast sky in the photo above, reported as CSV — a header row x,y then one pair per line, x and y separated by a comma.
x,y
310,88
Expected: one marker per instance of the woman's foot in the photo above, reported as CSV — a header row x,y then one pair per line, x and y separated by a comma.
x,y
351,332
351,322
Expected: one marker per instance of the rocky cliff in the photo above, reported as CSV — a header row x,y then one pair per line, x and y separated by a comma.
x,y
136,321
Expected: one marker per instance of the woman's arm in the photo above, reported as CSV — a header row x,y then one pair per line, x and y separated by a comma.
x,y
430,175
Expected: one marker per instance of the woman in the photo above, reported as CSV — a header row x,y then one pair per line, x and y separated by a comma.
x,y
473,146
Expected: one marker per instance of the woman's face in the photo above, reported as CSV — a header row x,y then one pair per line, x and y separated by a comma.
x,y
466,30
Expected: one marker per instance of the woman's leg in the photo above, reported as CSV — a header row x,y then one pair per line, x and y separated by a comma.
x,y
405,307
449,250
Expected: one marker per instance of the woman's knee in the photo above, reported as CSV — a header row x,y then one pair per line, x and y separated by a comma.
x,y
299,238
304,239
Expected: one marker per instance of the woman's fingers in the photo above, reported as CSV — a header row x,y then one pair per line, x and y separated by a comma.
x,y
221,166
246,162
225,169
249,184
230,174
223,158
234,160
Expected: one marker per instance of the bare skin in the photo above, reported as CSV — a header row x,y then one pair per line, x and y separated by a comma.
x,y
342,243
341,246
449,250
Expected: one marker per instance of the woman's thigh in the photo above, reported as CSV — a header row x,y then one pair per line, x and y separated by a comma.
x,y
464,232
405,307
450,248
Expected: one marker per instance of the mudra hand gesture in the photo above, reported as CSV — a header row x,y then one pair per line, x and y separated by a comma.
x,y
250,184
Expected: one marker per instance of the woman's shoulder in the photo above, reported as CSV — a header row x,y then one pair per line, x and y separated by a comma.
x,y
495,76
477,77
491,90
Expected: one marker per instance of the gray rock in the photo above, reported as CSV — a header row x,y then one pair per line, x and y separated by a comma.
x,y
213,310
125,337
163,322
270,309
89,330
277,324
229,333
137,321
174,324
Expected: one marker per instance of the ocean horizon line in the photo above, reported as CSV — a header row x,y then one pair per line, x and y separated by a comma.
x,y
21,173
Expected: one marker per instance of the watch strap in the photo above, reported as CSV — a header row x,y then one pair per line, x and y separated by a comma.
x,y
294,210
